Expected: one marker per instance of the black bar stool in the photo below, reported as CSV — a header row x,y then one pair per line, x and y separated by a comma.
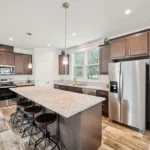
x,y
43,121
14,115
30,112
24,117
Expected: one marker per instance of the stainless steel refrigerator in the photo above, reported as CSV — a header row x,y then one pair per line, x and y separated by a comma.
x,y
127,93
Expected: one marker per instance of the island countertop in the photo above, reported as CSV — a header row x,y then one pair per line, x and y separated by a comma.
x,y
62,102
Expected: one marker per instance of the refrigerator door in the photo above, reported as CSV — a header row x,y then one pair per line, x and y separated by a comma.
x,y
114,91
133,93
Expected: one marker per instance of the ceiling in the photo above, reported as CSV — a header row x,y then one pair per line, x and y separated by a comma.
x,y
89,19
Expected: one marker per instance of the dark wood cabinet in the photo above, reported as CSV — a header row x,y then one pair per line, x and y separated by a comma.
x,y
138,44
6,48
62,87
105,104
68,88
63,67
77,90
27,61
118,48
135,45
56,86
7,58
19,64
104,56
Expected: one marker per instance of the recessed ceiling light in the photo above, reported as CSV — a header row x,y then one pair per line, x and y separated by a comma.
x,y
48,44
127,12
10,38
73,34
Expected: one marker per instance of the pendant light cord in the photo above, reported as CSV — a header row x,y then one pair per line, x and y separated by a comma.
x,y
65,28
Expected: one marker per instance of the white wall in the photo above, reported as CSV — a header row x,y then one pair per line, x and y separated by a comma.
x,y
45,66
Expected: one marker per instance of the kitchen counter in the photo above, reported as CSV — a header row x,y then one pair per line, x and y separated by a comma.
x,y
92,87
80,116
24,84
64,103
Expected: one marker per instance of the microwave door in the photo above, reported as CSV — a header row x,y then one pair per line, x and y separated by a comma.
x,y
114,91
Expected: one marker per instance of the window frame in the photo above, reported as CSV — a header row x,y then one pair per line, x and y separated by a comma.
x,y
75,66
85,65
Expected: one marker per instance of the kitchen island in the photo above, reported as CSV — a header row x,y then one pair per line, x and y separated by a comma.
x,y
80,115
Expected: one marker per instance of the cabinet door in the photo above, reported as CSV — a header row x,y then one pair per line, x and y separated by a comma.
x,y
138,44
27,61
6,48
104,59
2,58
8,59
19,63
118,48
62,67
105,108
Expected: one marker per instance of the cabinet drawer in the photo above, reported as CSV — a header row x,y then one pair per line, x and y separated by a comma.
x,y
105,109
78,90
62,87
102,93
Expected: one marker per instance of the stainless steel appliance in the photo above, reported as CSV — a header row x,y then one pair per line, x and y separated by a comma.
x,y
7,97
7,70
127,93
6,82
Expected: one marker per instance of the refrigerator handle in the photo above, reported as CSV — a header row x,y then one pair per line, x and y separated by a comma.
x,y
121,86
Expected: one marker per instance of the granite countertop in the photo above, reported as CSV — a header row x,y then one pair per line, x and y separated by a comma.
x,y
62,102
92,87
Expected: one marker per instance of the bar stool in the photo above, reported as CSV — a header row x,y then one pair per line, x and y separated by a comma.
x,y
30,112
24,117
43,121
14,115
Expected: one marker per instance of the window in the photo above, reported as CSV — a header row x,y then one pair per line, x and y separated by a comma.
x,y
86,64
92,63
78,65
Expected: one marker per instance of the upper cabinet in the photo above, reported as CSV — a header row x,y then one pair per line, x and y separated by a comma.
x,y
6,48
7,58
21,64
27,61
104,55
138,44
118,48
63,69
130,46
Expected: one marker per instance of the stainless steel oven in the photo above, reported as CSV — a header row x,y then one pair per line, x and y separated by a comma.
x,y
7,70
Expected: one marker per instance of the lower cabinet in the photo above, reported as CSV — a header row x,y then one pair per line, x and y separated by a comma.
x,y
105,108
68,88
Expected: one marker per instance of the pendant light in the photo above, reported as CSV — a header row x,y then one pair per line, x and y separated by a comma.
x,y
30,64
65,58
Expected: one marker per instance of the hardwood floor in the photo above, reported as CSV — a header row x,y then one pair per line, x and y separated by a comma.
x,y
114,136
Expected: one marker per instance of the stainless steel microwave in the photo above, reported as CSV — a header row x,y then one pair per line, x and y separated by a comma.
x,y
7,70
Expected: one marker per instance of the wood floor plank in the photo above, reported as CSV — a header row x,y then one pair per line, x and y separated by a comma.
x,y
114,136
